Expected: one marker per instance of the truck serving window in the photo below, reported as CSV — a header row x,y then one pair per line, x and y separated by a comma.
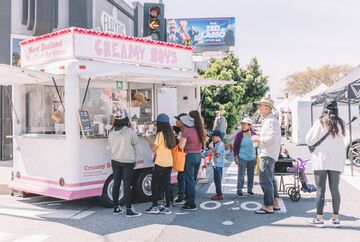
x,y
43,109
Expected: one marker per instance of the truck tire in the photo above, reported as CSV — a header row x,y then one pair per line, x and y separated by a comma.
x,y
106,196
355,152
143,185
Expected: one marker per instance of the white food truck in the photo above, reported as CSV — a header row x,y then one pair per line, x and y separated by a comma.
x,y
86,76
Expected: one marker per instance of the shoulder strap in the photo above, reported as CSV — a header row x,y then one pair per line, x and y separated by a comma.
x,y
321,140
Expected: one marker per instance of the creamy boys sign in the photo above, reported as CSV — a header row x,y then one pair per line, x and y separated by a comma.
x,y
89,44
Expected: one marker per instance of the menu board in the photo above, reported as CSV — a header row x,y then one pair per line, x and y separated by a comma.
x,y
85,123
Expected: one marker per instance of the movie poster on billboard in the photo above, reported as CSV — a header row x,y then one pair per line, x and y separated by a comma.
x,y
201,31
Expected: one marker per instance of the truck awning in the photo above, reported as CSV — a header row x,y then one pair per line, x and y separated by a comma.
x,y
13,75
144,74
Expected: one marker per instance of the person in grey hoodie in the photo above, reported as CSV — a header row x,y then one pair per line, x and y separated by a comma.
x,y
122,141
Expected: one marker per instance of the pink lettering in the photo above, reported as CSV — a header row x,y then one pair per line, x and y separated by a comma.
x,y
173,57
132,52
107,49
123,52
98,49
115,50
153,54
142,51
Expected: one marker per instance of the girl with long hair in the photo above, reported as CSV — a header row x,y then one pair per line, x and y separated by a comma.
x,y
164,142
122,141
328,160
192,139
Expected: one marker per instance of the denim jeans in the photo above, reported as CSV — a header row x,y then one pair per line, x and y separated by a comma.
x,y
267,180
217,180
192,164
124,172
249,166
181,184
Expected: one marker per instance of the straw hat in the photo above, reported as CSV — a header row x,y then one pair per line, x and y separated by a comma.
x,y
266,101
247,121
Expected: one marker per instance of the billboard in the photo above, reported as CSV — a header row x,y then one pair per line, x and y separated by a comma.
x,y
201,31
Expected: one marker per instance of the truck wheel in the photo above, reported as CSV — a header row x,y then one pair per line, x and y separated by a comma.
x,y
143,185
356,153
106,196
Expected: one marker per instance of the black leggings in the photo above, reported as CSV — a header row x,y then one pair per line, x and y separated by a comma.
x,y
320,180
125,172
160,178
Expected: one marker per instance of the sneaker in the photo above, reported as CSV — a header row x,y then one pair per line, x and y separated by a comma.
x,y
316,223
162,205
191,207
118,210
335,222
250,193
179,201
153,210
131,212
240,194
165,210
217,197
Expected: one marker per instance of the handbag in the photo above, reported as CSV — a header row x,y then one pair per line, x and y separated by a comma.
x,y
257,167
178,158
312,147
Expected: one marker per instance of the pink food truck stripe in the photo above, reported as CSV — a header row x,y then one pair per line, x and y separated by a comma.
x,y
57,193
81,184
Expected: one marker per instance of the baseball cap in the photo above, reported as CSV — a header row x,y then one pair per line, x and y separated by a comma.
x,y
180,115
216,133
163,118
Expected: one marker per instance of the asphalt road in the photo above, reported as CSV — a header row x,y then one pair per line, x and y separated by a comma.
x,y
46,219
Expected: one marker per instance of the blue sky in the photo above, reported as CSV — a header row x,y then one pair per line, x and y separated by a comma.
x,y
286,36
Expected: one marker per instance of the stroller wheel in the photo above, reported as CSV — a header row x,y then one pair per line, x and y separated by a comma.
x,y
295,196
290,190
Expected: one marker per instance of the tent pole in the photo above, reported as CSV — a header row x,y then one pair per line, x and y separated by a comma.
x,y
312,114
350,132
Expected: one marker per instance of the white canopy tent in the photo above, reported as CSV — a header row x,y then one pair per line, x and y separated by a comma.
x,y
301,114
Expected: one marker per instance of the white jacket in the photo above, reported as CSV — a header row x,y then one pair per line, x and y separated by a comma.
x,y
331,153
270,137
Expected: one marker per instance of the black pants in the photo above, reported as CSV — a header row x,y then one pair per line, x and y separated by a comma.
x,y
124,172
160,178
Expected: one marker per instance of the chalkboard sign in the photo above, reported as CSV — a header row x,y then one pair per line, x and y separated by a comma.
x,y
85,123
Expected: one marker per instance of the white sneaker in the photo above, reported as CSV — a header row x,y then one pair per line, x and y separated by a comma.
x,y
153,210
165,210
316,223
335,222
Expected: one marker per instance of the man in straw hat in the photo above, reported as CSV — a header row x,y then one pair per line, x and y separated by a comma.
x,y
269,145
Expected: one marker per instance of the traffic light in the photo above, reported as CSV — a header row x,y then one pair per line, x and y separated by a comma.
x,y
154,21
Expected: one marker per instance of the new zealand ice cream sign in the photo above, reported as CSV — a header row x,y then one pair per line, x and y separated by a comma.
x,y
88,44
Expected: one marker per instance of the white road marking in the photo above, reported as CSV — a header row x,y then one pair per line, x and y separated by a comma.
x,y
45,213
204,205
82,215
282,206
227,223
245,206
228,203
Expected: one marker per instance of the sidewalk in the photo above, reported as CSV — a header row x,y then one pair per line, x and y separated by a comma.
x,y
5,176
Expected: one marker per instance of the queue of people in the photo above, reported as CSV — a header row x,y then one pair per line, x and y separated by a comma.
x,y
250,150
